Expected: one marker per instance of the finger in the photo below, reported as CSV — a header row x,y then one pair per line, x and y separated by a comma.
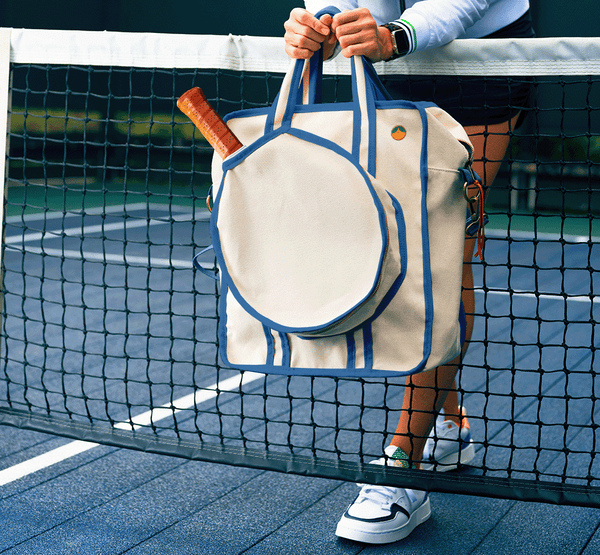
x,y
306,19
358,23
302,42
350,16
331,38
302,35
300,46
359,44
346,37
298,53
350,31
327,20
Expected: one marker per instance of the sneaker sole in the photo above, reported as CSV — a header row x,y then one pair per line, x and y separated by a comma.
x,y
347,529
451,462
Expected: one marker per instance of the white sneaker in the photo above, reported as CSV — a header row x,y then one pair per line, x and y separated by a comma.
x,y
448,446
382,514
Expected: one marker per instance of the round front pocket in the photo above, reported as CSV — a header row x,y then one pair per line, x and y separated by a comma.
x,y
306,239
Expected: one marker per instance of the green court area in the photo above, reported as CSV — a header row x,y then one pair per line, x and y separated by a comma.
x,y
74,160
57,122
567,226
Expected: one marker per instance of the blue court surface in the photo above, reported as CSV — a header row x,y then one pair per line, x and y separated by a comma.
x,y
59,496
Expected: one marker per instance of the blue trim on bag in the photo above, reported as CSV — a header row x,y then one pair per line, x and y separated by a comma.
x,y
315,82
372,114
404,104
328,10
200,268
374,91
351,348
400,224
294,95
270,346
239,156
319,372
357,116
285,347
427,282
368,346
462,321
222,331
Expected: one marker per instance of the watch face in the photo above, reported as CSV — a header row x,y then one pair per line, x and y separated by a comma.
x,y
402,44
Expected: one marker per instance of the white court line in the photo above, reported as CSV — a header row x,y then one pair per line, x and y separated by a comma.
x,y
542,236
87,230
37,216
529,295
202,215
198,215
73,448
141,261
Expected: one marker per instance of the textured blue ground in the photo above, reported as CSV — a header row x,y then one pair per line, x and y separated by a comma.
x,y
110,501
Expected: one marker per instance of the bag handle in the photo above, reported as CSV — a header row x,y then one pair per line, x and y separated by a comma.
x,y
310,80
314,72
207,271
366,89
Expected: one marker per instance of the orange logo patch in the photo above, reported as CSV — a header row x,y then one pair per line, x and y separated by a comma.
x,y
398,133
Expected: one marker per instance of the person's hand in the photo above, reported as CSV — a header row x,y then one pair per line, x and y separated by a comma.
x,y
304,34
358,34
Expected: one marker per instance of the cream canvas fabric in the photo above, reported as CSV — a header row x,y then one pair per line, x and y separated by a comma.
x,y
339,232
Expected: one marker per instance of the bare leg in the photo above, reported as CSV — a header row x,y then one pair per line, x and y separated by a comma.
x,y
427,392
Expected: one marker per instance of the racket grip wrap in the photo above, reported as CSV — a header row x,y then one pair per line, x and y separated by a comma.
x,y
195,106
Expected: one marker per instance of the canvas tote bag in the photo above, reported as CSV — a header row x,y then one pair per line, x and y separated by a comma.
x,y
338,231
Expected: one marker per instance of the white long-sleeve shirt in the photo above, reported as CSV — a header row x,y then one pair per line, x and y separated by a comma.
x,y
433,23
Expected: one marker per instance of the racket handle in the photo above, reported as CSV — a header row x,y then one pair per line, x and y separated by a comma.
x,y
195,106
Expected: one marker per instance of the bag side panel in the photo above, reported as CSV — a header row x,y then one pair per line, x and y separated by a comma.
x,y
449,149
446,208
399,333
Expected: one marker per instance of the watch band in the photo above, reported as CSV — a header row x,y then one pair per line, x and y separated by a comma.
x,y
400,40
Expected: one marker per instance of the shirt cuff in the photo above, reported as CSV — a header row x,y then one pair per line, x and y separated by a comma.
x,y
417,30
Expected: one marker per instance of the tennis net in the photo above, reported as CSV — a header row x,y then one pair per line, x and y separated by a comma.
x,y
109,335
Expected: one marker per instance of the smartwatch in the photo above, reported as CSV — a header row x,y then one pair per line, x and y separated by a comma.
x,y
400,41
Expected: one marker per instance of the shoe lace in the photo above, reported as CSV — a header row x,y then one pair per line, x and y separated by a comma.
x,y
381,495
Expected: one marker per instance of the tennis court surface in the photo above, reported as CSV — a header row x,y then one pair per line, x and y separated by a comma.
x,y
119,413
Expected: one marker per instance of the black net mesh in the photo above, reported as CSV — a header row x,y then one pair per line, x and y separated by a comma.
x,y
110,335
